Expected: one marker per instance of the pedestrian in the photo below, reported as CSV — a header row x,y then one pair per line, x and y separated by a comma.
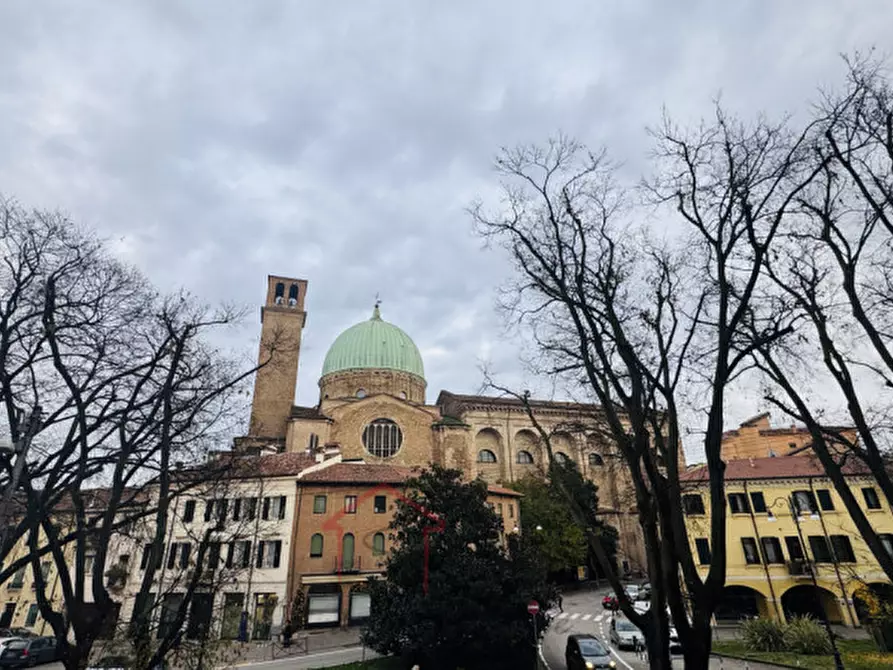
x,y
560,602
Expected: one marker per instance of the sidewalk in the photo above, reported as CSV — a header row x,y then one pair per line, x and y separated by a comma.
x,y
325,639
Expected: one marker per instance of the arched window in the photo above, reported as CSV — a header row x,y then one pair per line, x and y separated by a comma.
x,y
378,544
314,442
560,457
524,457
382,438
347,552
316,546
596,459
293,295
486,456
280,293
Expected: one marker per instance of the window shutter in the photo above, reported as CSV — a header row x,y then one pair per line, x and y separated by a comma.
x,y
251,512
209,509
184,554
281,507
260,554
231,549
246,554
266,511
172,556
237,509
277,552
144,560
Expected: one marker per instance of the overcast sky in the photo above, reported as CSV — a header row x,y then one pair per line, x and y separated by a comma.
x,y
216,142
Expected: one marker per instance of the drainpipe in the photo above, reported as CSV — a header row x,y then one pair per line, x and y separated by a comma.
x,y
753,521
846,600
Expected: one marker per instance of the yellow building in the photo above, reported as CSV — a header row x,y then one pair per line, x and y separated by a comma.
x,y
756,438
791,545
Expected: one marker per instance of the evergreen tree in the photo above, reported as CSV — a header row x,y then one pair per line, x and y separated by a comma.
x,y
465,603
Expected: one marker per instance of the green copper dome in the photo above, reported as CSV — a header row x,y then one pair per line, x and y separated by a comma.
x,y
373,344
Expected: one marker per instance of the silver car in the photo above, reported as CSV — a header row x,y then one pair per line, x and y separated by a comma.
x,y
624,634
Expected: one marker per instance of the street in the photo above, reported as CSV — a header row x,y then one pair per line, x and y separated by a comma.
x,y
583,613
323,659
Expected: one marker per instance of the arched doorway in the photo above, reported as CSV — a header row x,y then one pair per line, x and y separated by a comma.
x,y
809,600
740,602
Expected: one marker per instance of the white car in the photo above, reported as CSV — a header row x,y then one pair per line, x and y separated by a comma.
x,y
632,591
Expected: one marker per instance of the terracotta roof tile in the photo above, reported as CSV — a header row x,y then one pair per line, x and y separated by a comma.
x,y
500,491
298,412
270,465
775,468
360,473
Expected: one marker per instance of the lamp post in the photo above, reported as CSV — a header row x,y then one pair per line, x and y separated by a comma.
x,y
838,661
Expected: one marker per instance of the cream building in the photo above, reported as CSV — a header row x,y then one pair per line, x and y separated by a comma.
x,y
373,407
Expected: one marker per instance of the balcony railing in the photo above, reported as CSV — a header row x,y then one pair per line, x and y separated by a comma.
x,y
800,568
344,564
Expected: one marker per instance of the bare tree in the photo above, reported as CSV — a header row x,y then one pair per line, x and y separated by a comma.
x,y
629,320
129,385
831,273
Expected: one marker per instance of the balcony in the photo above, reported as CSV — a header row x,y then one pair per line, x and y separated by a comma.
x,y
800,568
347,565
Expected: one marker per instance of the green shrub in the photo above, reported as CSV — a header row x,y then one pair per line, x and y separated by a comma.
x,y
763,635
805,635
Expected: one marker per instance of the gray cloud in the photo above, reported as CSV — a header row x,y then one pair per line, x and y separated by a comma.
x,y
217,142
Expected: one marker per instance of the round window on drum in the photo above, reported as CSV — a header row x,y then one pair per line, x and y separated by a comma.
x,y
382,438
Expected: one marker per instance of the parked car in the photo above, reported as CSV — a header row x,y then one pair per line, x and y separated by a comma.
x,y
624,634
609,602
28,652
585,651
632,591
23,632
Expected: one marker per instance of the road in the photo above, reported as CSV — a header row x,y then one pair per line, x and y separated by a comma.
x,y
583,613
323,659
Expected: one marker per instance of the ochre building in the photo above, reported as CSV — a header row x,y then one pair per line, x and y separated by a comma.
x,y
373,407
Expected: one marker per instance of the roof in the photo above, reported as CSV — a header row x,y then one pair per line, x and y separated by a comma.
x,y
457,403
374,474
782,467
298,412
374,344
286,464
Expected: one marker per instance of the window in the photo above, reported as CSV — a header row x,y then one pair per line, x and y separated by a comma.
x,y
702,544
795,549
596,459
871,499
18,579
524,458
33,611
89,559
758,502
378,544
213,555
751,555
189,511
250,509
209,509
738,503
172,555
804,502
319,504
843,550
313,444
350,504
560,457
239,555
887,540
144,560
280,293
499,508
269,553
511,511
274,508
491,507
825,501
347,545
237,509
692,503
381,504
486,456
821,553
185,550
292,295
316,546
382,438
772,550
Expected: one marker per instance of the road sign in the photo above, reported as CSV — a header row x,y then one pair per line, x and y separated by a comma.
x,y
533,607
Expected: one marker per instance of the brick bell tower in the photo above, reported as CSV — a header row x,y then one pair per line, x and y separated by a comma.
x,y
282,322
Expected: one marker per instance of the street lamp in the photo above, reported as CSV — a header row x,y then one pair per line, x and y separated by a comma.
x,y
795,514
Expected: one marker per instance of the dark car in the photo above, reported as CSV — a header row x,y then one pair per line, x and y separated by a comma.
x,y
30,652
23,632
610,602
586,651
